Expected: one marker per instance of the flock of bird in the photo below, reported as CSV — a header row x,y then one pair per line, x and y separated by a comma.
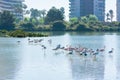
x,y
83,51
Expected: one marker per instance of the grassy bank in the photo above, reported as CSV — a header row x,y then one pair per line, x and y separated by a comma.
x,y
21,33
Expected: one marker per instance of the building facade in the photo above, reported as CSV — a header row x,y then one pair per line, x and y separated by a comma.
x,y
79,8
74,8
118,10
11,5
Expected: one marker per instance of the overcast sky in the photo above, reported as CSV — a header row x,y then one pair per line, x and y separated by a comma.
x,y
47,4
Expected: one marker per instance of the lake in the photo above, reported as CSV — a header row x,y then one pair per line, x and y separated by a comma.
x,y
23,59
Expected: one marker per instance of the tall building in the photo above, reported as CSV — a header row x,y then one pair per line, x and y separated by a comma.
x,y
79,8
118,10
11,5
74,8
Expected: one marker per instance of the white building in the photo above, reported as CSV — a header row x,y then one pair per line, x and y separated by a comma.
x,y
9,5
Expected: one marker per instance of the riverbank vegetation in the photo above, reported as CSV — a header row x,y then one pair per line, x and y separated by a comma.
x,y
21,33
53,20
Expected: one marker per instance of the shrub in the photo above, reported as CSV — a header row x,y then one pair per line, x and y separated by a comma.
x,y
83,27
17,33
58,26
27,26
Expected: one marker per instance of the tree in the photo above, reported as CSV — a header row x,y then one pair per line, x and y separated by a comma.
x,y
107,15
34,13
111,15
84,19
92,18
53,15
73,20
83,27
27,26
62,10
19,8
58,26
26,19
43,12
7,20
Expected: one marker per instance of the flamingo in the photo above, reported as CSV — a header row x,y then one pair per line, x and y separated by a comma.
x,y
28,39
58,47
102,50
71,52
111,51
43,47
97,52
50,41
18,41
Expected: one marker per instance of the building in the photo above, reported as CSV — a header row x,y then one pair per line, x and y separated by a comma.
x,y
74,8
79,8
11,5
118,10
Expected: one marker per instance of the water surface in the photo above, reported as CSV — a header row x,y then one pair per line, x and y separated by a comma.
x,y
29,61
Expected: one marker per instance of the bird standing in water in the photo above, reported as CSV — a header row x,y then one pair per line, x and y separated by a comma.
x,y
111,51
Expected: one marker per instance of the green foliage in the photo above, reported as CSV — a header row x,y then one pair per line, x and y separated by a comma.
x,y
41,21
19,9
17,33
37,17
111,14
21,33
34,13
83,27
89,19
62,10
92,18
7,20
26,19
84,19
27,26
73,20
31,34
54,15
58,26
43,13
107,15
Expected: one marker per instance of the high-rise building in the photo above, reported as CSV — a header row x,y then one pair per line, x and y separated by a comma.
x,y
11,5
79,8
118,10
74,8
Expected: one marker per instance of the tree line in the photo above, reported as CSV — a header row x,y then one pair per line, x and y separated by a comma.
x,y
53,20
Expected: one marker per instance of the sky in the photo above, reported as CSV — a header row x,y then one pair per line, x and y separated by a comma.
x,y
47,4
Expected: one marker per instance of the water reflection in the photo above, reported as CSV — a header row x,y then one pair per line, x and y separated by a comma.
x,y
9,60
110,72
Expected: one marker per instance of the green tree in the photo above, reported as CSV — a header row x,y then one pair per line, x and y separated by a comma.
x,y
19,8
107,15
111,15
43,12
58,26
26,19
83,27
34,13
73,20
53,15
27,26
41,21
62,9
92,18
84,19
7,20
